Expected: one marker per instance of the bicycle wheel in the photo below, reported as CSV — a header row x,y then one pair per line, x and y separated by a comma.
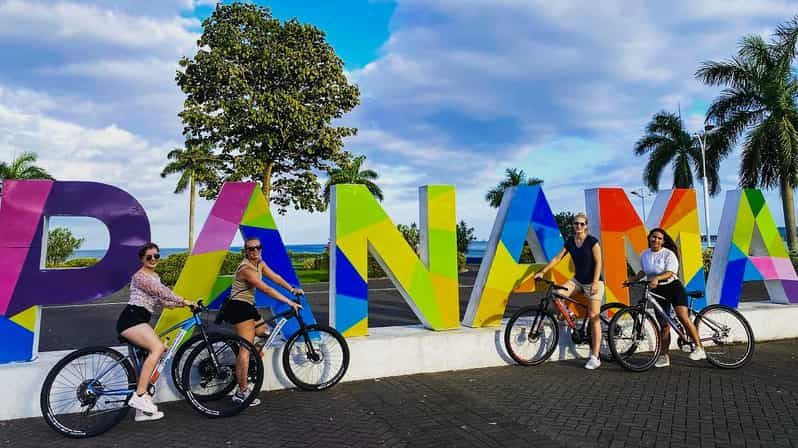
x,y
316,358
209,387
608,310
726,336
179,361
634,340
72,398
531,336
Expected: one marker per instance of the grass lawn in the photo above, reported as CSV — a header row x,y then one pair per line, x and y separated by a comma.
x,y
312,276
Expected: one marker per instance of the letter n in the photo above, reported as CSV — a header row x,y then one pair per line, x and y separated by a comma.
x,y
429,284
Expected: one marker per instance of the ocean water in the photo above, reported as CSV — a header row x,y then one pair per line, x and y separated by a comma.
x,y
475,250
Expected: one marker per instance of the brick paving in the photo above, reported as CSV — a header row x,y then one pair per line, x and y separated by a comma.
x,y
558,404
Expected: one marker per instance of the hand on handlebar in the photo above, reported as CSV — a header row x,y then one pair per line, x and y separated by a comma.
x,y
539,275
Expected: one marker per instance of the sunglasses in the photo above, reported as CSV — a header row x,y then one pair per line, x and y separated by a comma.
x,y
253,248
580,224
150,257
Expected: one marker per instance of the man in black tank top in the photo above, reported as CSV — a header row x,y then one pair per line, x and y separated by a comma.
x,y
585,252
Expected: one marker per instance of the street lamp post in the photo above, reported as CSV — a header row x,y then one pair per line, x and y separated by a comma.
x,y
642,195
702,139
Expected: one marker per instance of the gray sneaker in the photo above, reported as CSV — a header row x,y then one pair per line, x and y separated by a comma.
x,y
663,361
593,363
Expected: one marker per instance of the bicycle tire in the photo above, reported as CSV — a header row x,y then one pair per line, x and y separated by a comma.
x,y
605,354
625,330
225,405
514,332
59,422
177,361
719,341
292,351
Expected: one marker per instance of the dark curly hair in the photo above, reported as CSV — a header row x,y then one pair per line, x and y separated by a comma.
x,y
147,247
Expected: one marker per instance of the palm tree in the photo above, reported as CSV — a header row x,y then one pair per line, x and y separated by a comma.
x,y
349,172
512,177
667,142
197,165
22,167
758,102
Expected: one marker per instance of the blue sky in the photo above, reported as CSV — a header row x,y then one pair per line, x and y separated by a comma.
x,y
452,92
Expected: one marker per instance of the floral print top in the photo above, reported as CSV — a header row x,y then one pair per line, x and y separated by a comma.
x,y
148,292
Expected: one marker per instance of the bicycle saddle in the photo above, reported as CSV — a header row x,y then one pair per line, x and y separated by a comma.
x,y
695,294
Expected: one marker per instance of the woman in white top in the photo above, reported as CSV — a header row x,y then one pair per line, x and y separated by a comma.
x,y
661,268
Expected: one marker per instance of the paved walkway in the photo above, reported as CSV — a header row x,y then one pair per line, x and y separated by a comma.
x,y
558,404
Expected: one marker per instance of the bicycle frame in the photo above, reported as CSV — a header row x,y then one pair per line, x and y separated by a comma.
x,y
185,327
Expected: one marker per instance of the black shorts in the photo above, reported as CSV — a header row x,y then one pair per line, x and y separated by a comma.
x,y
237,311
674,294
131,316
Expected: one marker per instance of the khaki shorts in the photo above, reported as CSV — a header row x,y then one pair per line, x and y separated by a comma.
x,y
574,286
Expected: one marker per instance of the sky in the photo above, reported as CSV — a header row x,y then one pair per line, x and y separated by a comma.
x,y
452,92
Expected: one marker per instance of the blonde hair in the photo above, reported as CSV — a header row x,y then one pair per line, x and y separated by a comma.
x,y
581,215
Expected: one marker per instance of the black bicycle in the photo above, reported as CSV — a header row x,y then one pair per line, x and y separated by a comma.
x,y
532,333
635,343
86,393
315,357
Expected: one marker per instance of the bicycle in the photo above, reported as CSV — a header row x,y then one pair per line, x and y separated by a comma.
x,y
532,333
315,357
86,393
635,333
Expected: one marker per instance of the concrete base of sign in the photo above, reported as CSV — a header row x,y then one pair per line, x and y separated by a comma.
x,y
387,351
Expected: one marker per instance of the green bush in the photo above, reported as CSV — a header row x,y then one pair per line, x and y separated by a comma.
x,y
78,263
170,267
309,264
461,261
706,256
375,270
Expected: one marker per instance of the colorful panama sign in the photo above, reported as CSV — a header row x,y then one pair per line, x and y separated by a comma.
x,y
749,248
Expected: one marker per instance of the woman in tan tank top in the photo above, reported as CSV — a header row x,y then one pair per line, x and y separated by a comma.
x,y
241,312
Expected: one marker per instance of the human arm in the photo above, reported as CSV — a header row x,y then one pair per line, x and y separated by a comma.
x,y
599,266
550,264
276,278
153,287
252,277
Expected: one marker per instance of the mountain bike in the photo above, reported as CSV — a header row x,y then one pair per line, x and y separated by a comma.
x,y
86,393
315,357
635,343
532,333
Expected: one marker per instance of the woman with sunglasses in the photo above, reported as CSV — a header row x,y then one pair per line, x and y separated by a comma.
x,y
586,255
146,294
240,309
660,264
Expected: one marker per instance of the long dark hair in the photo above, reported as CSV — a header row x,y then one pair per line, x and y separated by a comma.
x,y
667,243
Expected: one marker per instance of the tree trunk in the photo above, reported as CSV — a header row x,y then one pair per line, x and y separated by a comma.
x,y
266,188
191,206
788,204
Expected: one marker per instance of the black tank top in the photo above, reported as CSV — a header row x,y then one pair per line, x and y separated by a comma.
x,y
584,264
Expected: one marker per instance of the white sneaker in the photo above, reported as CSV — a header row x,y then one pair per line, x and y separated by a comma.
x,y
143,403
663,361
698,354
144,417
592,363
240,396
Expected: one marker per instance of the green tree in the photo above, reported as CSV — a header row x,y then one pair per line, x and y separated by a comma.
x,y
197,166
61,244
265,94
22,167
465,234
512,177
348,172
411,234
758,105
667,143
565,221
